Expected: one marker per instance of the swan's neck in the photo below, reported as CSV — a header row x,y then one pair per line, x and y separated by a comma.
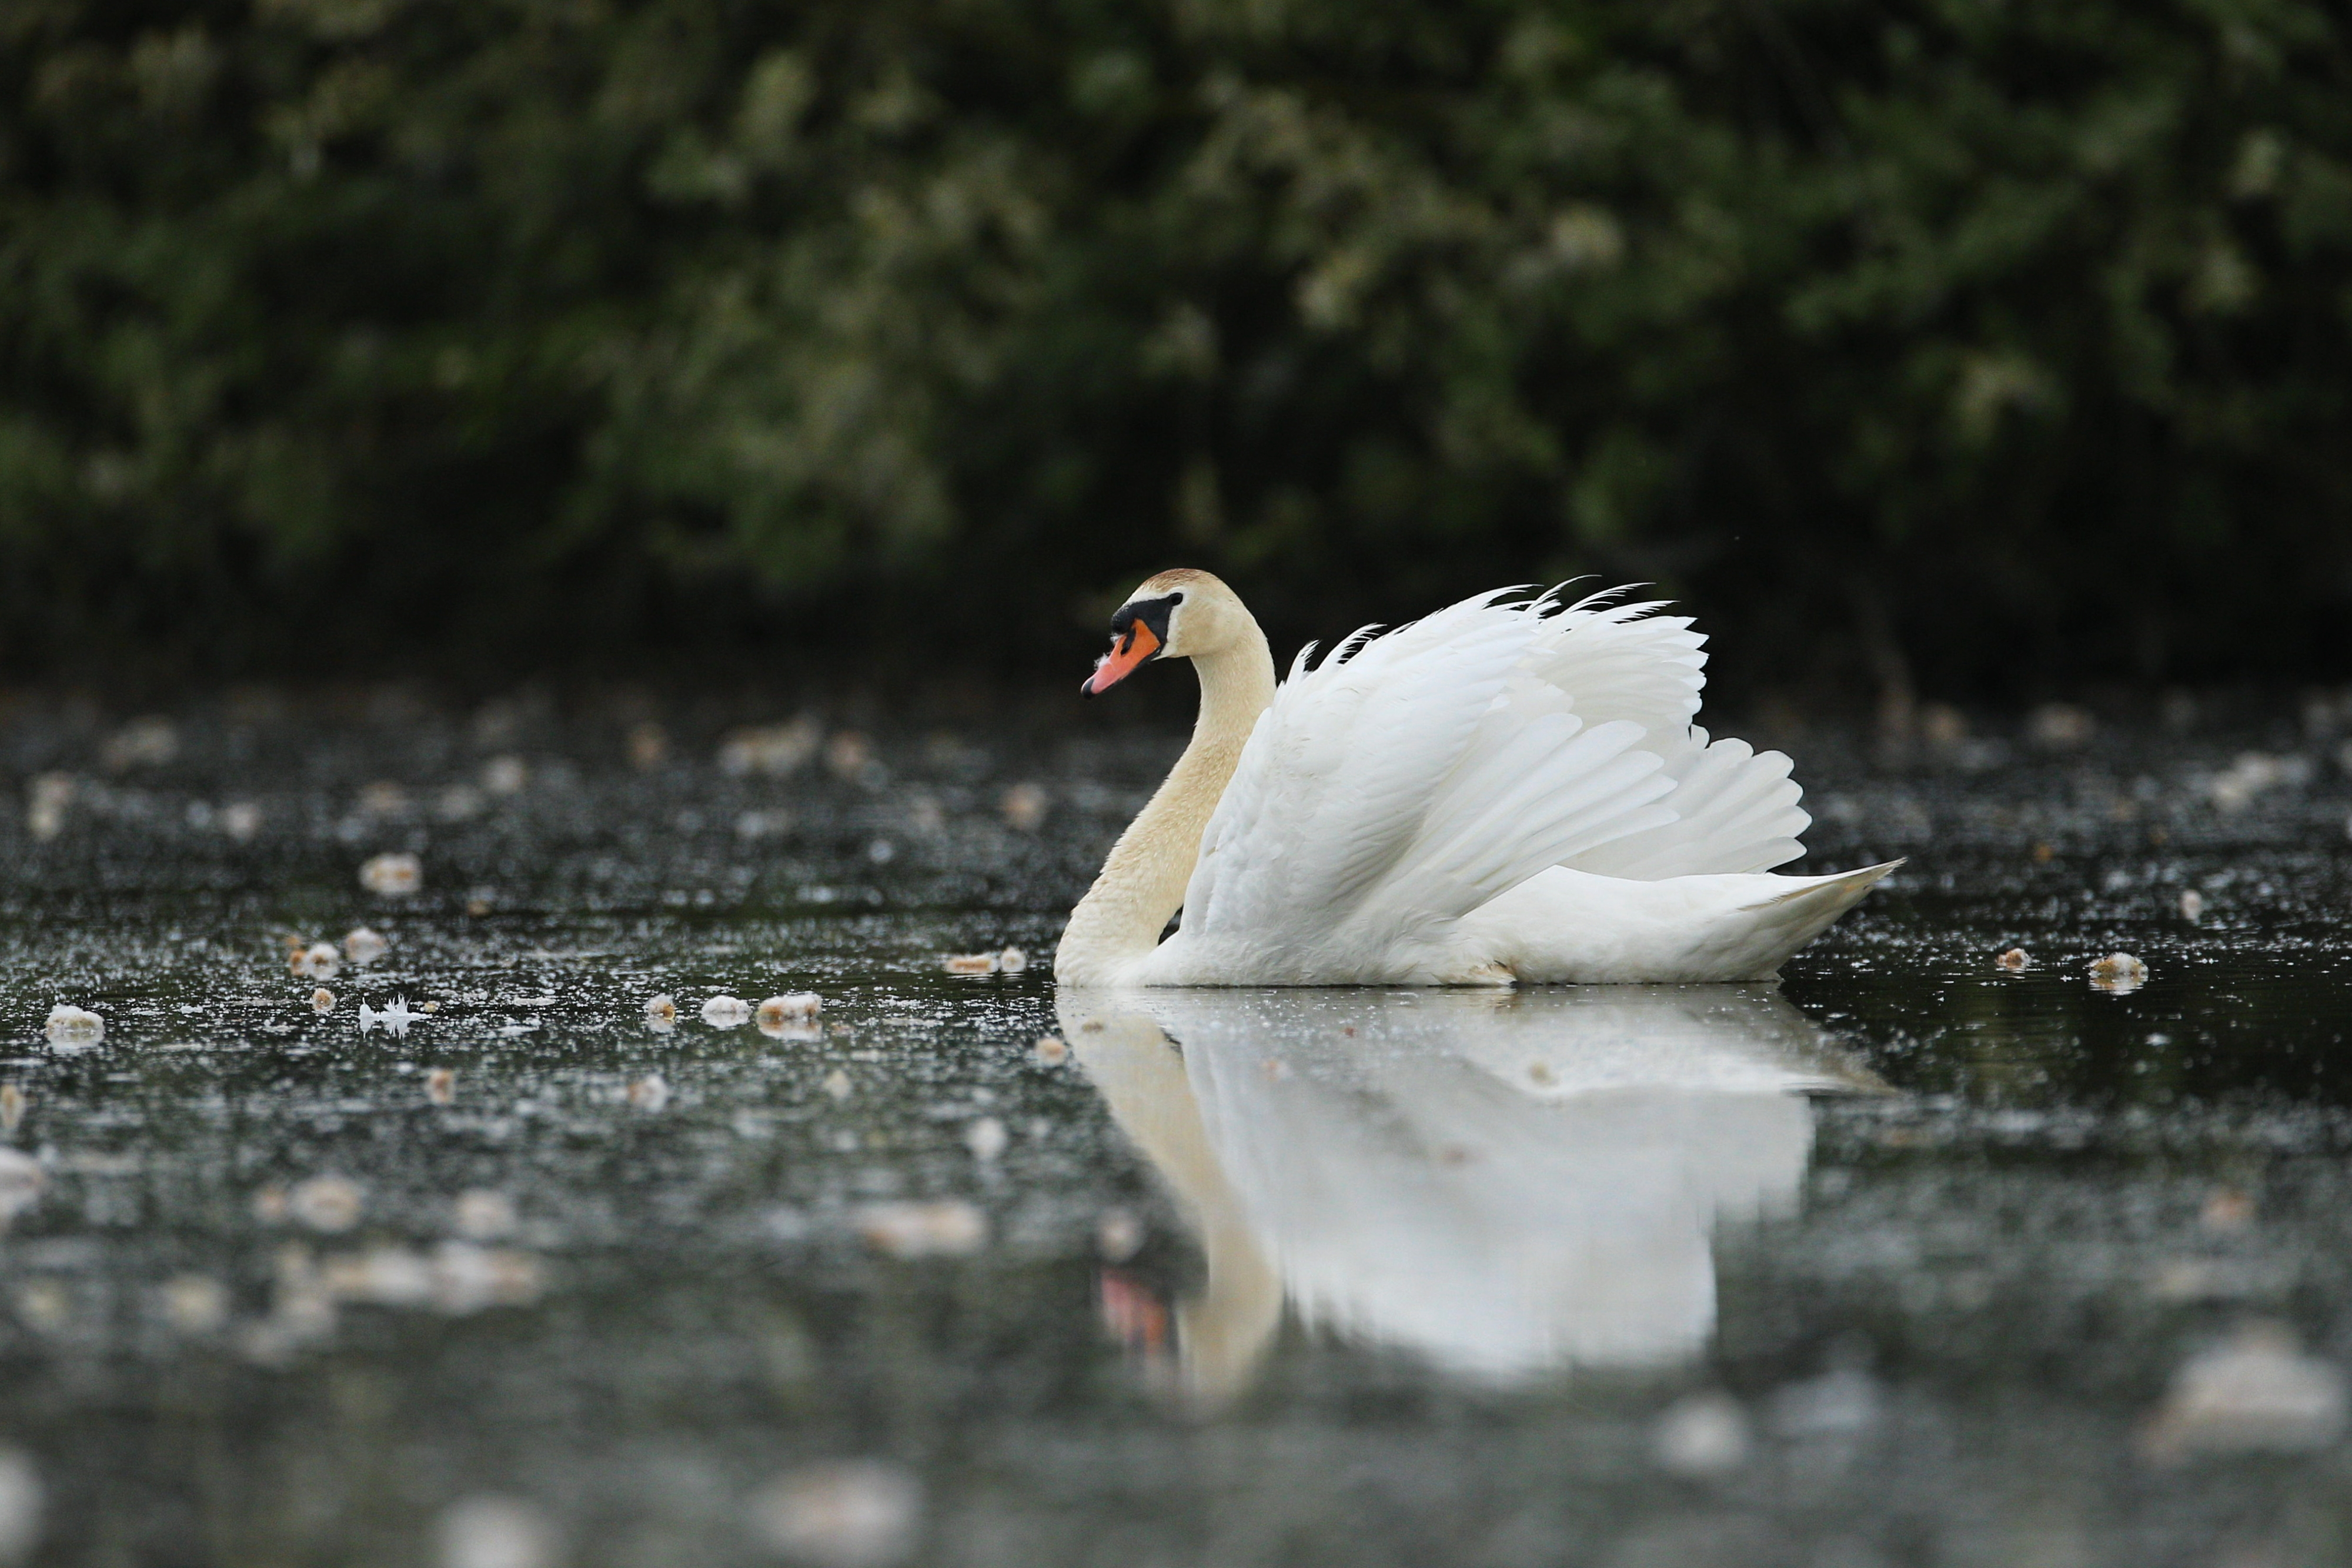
x,y
1142,883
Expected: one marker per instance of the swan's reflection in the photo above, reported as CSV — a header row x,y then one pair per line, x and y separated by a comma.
x,y
1502,1182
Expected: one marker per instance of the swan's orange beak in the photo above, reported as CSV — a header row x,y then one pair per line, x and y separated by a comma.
x,y
1134,645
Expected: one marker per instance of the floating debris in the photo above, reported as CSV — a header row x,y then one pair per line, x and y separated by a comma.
x,y
483,1215
45,799
441,1085
945,1228
458,803
791,1005
2192,905
852,1513
661,1014
2118,973
2255,1392
1839,1403
496,1532
2227,1210
363,947
21,1182
772,750
70,1025
650,1093
2060,727
1701,1435
2254,774
724,1012
194,1304
466,1278
320,961
649,746
505,776
1013,960
2015,960
1118,1235
985,1139
323,1000
790,1017
379,1277
384,798
392,876
836,1083
1023,807
150,741
12,1107
21,1498
753,826
848,755
326,1203
972,962
393,1017
241,820
1051,1050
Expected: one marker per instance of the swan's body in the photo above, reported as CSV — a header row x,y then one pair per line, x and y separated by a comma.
x,y
1505,792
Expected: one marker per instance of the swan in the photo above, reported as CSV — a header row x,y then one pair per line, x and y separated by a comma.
x,y
1509,791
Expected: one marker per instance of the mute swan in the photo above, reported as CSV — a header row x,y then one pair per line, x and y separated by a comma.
x,y
1509,791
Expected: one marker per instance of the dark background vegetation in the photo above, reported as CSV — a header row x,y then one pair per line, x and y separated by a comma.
x,y
1980,348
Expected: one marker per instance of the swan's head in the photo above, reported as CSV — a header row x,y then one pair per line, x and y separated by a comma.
x,y
1180,614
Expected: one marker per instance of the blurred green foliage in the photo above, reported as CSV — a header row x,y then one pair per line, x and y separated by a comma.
x,y
1979,344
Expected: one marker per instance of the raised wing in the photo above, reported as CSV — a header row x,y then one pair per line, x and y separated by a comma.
x,y
1415,776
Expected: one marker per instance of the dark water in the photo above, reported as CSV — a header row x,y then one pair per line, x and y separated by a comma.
x,y
1911,1260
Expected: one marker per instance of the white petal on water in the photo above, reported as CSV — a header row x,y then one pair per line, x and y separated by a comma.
x,y
327,1203
836,1083
723,1011
1702,1435
2118,973
70,1025
45,801
194,1304
323,1000
1023,807
393,875
2192,905
2253,1392
363,947
318,961
854,1513
1013,960
985,1139
650,1093
498,1532
1840,1403
2015,960
947,1228
12,1107
441,1085
467,1278
505,775
661,1014
241,820
972,962
483,1215
772,750
1051,1050
20,1505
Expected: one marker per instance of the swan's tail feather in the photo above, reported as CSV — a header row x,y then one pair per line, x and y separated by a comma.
x,y
1797,916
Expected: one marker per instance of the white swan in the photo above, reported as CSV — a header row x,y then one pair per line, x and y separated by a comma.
x,y
1509,791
